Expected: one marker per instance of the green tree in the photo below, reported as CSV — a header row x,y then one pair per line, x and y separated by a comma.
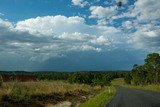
x,y
139,75
128,78
152,63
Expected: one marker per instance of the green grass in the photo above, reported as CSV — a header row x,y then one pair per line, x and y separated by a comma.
x,y
101,99
152,87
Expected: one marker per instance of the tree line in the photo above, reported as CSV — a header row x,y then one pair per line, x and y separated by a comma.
x,y
95,78
84,77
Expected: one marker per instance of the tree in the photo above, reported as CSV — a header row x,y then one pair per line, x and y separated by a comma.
x,y
152,63
139,75
149,72
128,78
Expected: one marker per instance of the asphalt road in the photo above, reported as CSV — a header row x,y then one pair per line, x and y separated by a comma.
x,y
127,97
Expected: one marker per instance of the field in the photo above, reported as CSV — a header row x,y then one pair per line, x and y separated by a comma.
x,y
45,92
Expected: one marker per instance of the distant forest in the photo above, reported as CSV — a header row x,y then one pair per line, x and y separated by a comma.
x,y
149,73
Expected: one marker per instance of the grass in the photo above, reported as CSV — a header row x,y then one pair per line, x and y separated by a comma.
x,y
41,87
151,87
121,82
101,99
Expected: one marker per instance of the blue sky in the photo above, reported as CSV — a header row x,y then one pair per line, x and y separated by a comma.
x,y
70,35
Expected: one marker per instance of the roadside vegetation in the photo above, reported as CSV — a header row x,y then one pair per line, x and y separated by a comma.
x,y
146,74
121,82
44,92
55,87
101,99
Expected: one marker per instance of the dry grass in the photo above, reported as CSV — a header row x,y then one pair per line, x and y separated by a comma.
x,y
23,90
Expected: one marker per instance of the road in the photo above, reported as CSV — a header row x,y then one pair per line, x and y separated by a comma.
x,y
128,97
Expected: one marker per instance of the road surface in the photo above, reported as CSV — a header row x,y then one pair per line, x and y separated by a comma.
x,y
128,97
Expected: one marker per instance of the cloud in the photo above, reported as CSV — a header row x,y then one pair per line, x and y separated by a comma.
x,y
142,10
80,3
1,14
146,24
50,25
147,38
102,22
101,41
127,24
40,38
147,9
102,12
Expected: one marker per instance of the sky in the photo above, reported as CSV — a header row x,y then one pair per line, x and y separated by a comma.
x,y
77,35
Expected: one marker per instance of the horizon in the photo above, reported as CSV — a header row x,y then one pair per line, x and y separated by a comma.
x,y
77,35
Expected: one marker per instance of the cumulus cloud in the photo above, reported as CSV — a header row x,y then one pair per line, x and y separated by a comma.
x,y
41,38
102,12
147,30
50,25
80,3
147,9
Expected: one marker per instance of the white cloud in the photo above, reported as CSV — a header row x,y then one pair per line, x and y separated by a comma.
x,y
88,47
50,25
73,36
102,12
127,24
101,40
5,24
147,9
102,22
80,3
